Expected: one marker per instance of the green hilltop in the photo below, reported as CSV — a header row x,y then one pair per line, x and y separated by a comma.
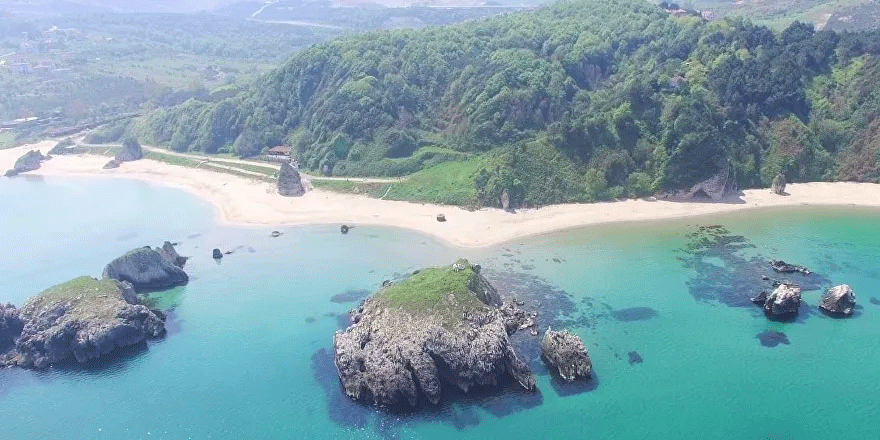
x,y
581,100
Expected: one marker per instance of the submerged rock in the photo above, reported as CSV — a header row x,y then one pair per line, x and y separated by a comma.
x,y
30,161
874,300
839,300
437,329
783,267
147,269
566,352
290,182
131,151
778,185
635,358
772,338
84,318
783,302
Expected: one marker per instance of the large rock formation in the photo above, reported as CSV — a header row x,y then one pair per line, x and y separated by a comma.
x,y
131,150
778,185
64,147
782,302
290,182
168,252
716,187
439,328
147,269
839,300
84,318
29,162
566,352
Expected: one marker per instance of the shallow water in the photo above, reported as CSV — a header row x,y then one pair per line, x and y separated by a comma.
x,y
248,352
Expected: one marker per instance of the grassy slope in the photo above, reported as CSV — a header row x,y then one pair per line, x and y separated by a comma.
x,y
440,291
87,297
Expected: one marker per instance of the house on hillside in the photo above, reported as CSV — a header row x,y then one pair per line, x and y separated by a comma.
x,y
280,150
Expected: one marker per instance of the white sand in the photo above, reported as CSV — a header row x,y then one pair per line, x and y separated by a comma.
x,y
246,202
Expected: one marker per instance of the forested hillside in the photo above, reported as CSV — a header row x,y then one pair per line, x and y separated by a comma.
x,y
580,100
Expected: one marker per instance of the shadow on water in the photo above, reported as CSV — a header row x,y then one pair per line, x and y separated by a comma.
x,y
565,388
112,363
725,275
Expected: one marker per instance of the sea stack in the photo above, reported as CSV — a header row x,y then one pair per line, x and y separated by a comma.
x,y
30,161
440,328
567,353
784,302
839,300
131,151
778,186
289,181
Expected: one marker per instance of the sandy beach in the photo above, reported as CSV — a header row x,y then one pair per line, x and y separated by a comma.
x,y
246,202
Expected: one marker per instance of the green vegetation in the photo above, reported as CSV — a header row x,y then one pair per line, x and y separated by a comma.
x,y
581,100
7,139
439,291
85,298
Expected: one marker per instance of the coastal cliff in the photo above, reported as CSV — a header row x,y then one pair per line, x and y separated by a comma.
x,y
440,328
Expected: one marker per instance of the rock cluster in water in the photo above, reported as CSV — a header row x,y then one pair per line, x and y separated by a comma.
x,y
783,267
86,318
440,328
30,161
839,300
566,352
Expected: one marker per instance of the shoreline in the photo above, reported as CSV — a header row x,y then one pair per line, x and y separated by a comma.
x,y
239,201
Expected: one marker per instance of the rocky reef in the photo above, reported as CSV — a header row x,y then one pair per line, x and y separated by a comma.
x,y
289,181
566,352
84,318
30,161
783,267
838,300
149,269
439,328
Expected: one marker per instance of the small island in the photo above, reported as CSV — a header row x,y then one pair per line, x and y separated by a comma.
x,y
441,328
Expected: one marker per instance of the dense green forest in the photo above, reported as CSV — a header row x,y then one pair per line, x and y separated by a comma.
x,y
577,101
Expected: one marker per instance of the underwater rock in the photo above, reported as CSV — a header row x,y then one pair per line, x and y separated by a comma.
x,y
566,352
439,328
839,300
634,358
772,338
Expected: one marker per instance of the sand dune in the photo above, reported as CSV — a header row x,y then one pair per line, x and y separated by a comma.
x,y
241,201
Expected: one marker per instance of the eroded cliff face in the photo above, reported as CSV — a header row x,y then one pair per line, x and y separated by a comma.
x,y
440,328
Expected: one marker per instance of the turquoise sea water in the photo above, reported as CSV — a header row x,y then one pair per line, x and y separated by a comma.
x,y
247,355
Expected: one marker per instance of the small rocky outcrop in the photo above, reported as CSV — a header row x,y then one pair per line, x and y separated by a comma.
x,y
415,338
716,187
566,352
131,151
783,267
168,252
782,303
61,148
147,269
441,218
29,162
778,185
505,200
839,300
290,182
10,326
113,163
216,254
83,318
345,228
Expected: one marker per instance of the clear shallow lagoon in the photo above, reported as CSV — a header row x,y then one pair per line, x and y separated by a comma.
x,y
247,351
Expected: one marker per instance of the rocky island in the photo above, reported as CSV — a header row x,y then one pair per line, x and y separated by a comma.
x,y
84,318
439,329
149,269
